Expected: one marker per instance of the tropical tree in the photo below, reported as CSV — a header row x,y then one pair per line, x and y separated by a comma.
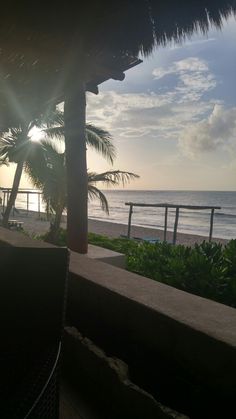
x,y
97,138
16,146
46,169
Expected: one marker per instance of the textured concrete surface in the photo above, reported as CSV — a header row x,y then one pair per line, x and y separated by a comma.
x,y
106,255
106,381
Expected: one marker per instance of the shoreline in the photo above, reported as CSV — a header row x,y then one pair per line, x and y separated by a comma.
x,y
35,225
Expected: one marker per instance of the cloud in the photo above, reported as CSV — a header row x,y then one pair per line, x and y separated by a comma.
x,y
139,115
191,64
218,130
193,78
176,116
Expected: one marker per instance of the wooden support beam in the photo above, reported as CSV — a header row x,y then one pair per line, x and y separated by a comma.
x,y
76,167
93,88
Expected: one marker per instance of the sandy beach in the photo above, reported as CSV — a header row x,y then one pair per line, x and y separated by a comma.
x,y
34,224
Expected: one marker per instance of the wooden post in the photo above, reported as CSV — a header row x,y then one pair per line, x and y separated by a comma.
x,y
176,225
76,167
211,225
4,197
39,204
14,190
27,202
165,229
129,222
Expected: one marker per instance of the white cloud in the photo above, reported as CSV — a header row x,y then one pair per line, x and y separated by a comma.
x,y
139,115
218,130
191,64
176,117
193,78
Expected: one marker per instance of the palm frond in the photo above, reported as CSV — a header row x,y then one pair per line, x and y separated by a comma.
x,y
101,141
49,119
46,170
14,145
95,193
112,177
97,138
57,132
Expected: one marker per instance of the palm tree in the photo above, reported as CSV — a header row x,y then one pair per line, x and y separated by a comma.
x,y
14,148
46,169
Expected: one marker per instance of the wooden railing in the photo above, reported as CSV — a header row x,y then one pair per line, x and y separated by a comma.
x,y
6,193
177,208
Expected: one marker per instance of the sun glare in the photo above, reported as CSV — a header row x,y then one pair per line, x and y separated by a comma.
x,y
35,134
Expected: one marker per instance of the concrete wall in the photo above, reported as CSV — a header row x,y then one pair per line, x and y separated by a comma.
x,y
179,347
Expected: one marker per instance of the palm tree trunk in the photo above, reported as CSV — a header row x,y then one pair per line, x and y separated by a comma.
x,y
13,194
55,227
76,166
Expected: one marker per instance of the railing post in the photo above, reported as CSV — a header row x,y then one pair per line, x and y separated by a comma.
x,y
176,225
27,202
4,198
165,229
129,223
211,224
39,203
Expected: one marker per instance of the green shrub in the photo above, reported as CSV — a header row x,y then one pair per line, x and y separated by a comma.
x,y
208,269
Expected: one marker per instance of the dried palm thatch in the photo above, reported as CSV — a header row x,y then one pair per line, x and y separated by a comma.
x,y
43,49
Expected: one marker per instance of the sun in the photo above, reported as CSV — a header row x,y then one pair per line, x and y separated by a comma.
x,y
35,134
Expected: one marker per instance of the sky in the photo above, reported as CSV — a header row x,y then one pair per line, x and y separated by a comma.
x,y
173,118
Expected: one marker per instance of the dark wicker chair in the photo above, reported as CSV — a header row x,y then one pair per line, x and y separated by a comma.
x,y
32,295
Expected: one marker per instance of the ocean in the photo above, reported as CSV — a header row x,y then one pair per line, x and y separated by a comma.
x,y
192,222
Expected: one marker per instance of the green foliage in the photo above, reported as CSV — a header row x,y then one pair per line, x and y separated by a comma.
x,y
117,244
120,245
208,269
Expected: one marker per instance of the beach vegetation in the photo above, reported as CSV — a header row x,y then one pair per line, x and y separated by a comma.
x,y
206,269
117,244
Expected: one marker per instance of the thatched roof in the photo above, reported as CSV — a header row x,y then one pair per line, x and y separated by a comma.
x,y
43,49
